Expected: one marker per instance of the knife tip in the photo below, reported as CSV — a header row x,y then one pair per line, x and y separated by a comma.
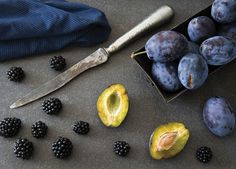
x,y
13,106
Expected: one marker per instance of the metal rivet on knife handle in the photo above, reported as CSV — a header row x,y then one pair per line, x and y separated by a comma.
x,y
159,17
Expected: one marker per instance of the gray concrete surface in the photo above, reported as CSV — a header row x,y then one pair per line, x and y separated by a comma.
x,y
147,110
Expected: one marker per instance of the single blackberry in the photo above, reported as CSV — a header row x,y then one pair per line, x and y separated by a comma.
x,y
121,148
52,106
9,127
58,63
81,127
15,74
39,129
62,147
204,154
23,148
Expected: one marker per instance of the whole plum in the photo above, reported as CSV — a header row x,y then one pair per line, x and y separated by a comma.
x,y
218,116
193,47
218,50
228,30
192,71
201,28
166,75
166,46
224,11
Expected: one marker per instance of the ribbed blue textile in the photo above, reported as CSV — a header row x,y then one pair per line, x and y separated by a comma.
x,y
29,27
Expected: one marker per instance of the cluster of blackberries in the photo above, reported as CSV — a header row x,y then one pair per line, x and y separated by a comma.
x,y
17,74
10,126
54,105
62,147
23,148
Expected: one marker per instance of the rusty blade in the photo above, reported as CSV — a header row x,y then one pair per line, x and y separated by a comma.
x,y
98,57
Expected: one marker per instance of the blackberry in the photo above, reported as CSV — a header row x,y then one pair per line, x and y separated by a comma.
x,y
204,154
9,127
52,106
81,127
23,148
15,74
58,63
121,148
62,147
39,129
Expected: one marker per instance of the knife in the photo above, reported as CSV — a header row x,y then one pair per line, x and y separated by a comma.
x,y
159,17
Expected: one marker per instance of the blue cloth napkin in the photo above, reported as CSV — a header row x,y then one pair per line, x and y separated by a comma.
x,y
29,27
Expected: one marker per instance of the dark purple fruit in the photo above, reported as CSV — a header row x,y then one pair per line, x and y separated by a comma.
x,y
166,46
228,30
218,116
224,11
218,50
201,28
166,76
193,48
192,71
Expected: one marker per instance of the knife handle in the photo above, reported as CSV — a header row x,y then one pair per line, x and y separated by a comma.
x,y
160,16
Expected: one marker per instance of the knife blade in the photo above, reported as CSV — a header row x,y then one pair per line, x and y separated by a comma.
x,y
98,57
159,17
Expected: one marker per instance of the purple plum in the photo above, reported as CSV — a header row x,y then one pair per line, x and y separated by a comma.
x,y
193,48
224,11
218,50
228,30
201,28
218,116
166,46
192,71
166,76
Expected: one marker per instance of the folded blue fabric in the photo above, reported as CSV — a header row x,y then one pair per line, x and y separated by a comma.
x,y
29,27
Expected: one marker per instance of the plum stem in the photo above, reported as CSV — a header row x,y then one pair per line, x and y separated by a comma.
x,y
138,53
